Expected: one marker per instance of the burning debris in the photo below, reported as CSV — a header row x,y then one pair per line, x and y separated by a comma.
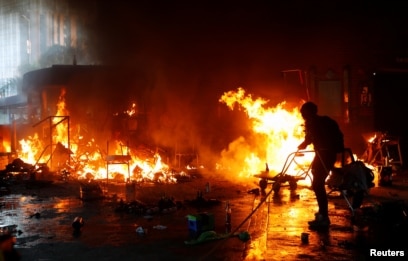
x,y
20,170
71,152
150,168
18,167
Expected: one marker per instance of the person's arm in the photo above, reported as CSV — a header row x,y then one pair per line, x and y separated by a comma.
x,y
303,145
306,142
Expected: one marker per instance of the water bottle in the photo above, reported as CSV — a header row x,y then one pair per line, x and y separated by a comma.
x,y
227,218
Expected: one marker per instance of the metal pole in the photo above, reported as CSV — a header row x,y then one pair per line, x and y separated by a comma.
x,y
51,143
69,141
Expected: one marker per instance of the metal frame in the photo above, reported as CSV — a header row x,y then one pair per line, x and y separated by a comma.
x,y
117,159
51,127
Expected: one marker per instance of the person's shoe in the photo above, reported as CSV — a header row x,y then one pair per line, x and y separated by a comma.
x,y
320,222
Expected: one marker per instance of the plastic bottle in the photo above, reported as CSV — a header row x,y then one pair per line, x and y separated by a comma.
x,y
227,218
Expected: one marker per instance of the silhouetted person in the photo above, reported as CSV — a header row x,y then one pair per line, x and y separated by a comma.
x,y
327,139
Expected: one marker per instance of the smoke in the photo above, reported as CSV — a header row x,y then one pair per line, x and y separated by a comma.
x,y
190,54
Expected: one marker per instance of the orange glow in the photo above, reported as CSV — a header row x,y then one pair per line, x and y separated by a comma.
x,y
30,148
276,132
372,139
61,128
85,156
133,110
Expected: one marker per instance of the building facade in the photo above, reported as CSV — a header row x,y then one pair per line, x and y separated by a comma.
x,y
35,34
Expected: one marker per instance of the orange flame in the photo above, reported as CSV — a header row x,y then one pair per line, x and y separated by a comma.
x,y
88,158
276,133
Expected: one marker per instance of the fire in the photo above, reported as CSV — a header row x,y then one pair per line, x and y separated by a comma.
x,y
61,126
133,110
30,148
276,132
84,159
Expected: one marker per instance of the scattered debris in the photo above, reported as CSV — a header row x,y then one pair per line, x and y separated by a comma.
x,y
201,202
148,217
90,191
78,223
134,207
36,215
160,227
141,231
166,204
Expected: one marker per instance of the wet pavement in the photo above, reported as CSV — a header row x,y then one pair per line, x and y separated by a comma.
x,y
41,219
380,224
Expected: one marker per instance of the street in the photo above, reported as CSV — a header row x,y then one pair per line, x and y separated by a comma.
x,y
41,218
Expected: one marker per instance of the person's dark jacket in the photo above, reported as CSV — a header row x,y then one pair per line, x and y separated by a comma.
x,y
324,133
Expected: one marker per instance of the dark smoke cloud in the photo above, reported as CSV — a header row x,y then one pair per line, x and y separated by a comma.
x,y
190,52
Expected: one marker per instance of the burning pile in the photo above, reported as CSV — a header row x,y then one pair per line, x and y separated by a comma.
x,y
75,158
275,133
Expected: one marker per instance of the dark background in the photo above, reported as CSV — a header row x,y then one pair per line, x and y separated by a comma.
x,y
191,52
205,35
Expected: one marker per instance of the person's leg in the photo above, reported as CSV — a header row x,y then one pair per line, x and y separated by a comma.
x,y
358,198
318,186
321,166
